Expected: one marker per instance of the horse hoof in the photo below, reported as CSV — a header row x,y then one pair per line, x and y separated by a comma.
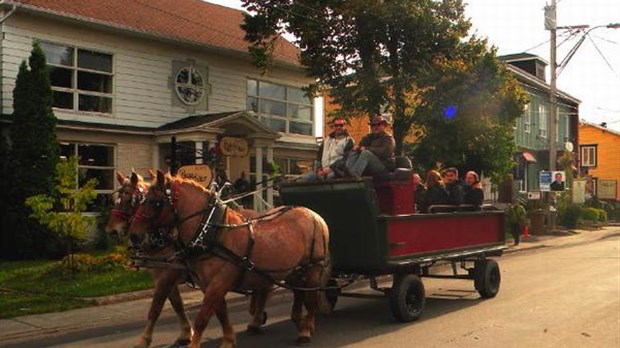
x,y
255,330
303,340
181,342
264,318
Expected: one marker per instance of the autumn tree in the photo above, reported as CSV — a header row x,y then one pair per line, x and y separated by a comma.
x,y
392,55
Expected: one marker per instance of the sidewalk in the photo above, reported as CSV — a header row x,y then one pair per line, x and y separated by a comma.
x,y
134,306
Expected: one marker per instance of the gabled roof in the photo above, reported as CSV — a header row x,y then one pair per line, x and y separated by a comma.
x,y
217,120
536,83
186,21
593,125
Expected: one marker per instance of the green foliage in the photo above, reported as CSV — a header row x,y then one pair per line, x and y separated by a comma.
x,y
570,215
31,160
411,58
35,287
62,212
590,214
602,215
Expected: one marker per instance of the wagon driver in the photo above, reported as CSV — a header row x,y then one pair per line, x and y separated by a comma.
x,y
375,152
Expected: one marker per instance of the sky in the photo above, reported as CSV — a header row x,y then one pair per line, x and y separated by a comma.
x,y
593,73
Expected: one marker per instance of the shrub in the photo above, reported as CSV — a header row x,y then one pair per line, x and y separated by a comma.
x,y
602,215
78,263
569,216
590,214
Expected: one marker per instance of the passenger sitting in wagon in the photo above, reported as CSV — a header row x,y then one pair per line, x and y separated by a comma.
x,y
454,186
375,153
473,195
332,152
435,192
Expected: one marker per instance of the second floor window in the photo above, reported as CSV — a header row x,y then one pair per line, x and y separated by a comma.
x,y
282,108
81,79
542,121
527,119
588,156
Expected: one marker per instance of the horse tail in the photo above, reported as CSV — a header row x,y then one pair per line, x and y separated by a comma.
x,y
325,263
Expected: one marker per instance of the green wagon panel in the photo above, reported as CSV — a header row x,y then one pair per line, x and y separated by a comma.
x,y
350,210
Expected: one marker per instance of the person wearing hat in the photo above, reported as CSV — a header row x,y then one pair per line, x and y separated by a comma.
x,y
375,152
332,152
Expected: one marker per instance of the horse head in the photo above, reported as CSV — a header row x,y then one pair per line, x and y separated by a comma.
x,y
155,215
126,201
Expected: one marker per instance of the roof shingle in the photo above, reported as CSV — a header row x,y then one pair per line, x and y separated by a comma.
x,y
188,20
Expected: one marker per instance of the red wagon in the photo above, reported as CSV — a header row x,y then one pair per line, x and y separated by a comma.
x,y
374,231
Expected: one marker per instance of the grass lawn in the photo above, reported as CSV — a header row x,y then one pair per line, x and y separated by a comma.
x,y
34,287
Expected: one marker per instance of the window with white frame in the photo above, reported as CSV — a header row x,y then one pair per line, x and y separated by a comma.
x,y
542,121
81,79
527,118
588,155
282,108
95,162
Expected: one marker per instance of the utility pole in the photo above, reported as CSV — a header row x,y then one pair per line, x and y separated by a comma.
x,y
551,25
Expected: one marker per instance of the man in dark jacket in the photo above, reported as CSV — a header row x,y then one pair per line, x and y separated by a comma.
x,y
375,153
454,186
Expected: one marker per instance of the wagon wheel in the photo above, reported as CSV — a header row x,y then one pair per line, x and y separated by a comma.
x,y
407,297
487,278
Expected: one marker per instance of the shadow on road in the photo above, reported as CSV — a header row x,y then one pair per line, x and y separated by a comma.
x,y
354,321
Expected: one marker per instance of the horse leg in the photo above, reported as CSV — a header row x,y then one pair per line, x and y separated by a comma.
x,y
257,310
306,326
228,334
186,327
315,277
211,301
164,282
296,312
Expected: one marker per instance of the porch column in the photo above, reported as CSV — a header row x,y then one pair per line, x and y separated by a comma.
x,y
258,203
199,150
270,189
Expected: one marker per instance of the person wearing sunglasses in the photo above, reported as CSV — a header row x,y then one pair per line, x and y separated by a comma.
x,y
332,151
375,152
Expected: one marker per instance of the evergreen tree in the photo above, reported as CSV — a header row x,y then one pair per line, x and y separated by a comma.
x,y
33,157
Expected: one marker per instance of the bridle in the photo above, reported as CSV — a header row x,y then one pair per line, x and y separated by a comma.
x,y
124,209
163,218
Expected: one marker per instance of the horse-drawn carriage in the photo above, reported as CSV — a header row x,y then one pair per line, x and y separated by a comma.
x,y
370,226
374,232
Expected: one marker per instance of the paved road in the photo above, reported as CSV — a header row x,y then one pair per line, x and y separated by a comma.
x,y
555,297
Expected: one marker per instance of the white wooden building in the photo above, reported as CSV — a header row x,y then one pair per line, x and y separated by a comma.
x,y
127,75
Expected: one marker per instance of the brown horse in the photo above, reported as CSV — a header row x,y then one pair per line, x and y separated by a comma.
x,y
226,252
130,194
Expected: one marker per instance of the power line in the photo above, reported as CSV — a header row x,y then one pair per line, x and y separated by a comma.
x,y
603,56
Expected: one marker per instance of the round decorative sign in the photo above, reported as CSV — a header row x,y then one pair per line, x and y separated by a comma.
x,y
189,85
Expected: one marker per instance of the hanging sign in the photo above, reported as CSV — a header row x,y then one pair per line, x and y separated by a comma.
x,y
236,147
200,173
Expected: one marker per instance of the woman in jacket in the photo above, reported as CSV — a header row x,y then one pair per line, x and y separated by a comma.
x,y
473,194
436,193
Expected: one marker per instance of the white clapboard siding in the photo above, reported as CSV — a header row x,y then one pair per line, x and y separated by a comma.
x,y
142,72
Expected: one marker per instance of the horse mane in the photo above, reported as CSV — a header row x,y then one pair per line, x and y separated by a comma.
x,y
183,181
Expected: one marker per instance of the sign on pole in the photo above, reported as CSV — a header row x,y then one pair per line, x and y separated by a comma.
x,y
551,181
